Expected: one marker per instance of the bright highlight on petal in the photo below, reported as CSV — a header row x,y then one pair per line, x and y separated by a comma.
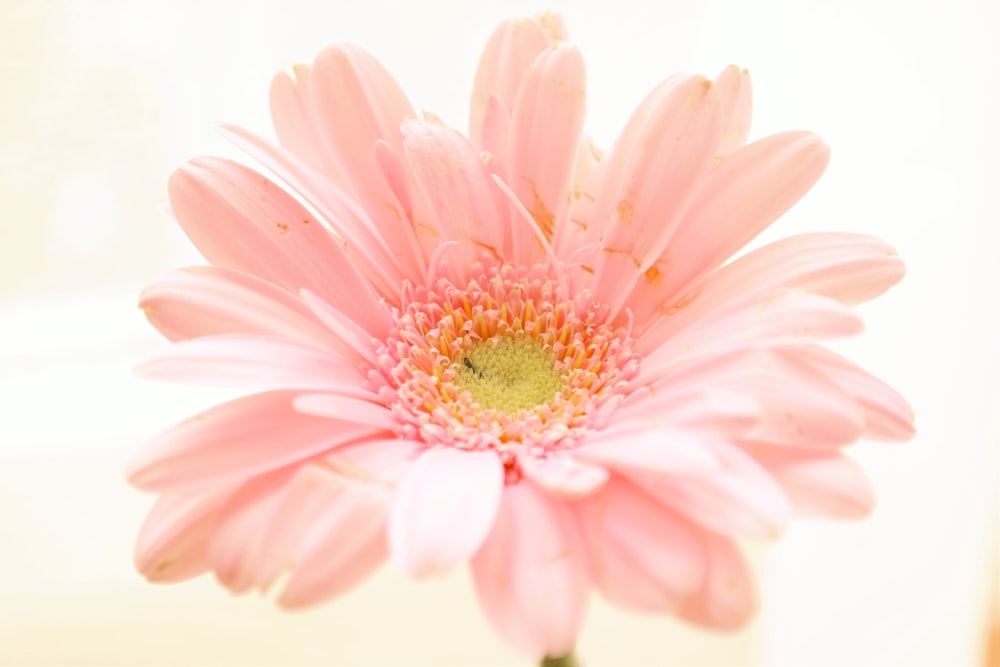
x,y
510,349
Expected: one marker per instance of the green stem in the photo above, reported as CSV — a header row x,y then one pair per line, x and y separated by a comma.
x,y
568,660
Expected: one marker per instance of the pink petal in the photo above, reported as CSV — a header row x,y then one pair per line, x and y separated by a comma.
x,y
819,484
347,332
588,220
631,448
348,540
850,268
531,573
793,317
673,152
795,404
320,532
729,598
737,498
217,201
506,57
887,415
690,405
238,534
172,542
295,121
444,509
237,440
562,475
740,197
463,200
257,362
644,557
736,96
385,259
546,121
344,408
207,300
496,137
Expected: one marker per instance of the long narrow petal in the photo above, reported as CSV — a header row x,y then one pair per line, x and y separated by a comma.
x,y
257,362
740,197
673,153
506,57
663,451
238,533
319,508
209,300
736,95
385,259
796,404
793,317
546,122
444,509
739,498
531,573
819,484
729,598
462,197
595,204
887,415
239,439
295,121
644,557
562,474
851,268
240,220
172,544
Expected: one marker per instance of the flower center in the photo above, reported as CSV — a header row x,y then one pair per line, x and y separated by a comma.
x,y
509,374
508,362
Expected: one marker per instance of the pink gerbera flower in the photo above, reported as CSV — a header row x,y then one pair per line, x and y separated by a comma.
x,y
508,349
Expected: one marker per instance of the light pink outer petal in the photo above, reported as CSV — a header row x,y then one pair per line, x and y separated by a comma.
x,y
738,498
531,573
739,197
321,532
507,55
347,539
736,94
295,121
239,219
887,415
385,259
793,317
238,534
729,597
208,300
796,404
257,362
560,474
851,268
643,556
546,122
444,509
672,154
664,451
171,546
589,218
464,202
239,439
819,484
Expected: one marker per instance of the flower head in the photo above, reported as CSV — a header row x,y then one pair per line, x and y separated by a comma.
x,y
508,349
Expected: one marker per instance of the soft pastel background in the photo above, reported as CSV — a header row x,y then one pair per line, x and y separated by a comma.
x,y
100,99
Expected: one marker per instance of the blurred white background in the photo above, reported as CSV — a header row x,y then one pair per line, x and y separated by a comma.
x,y
101,99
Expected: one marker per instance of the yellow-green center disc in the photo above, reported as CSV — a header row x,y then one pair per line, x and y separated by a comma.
x,y
508,374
